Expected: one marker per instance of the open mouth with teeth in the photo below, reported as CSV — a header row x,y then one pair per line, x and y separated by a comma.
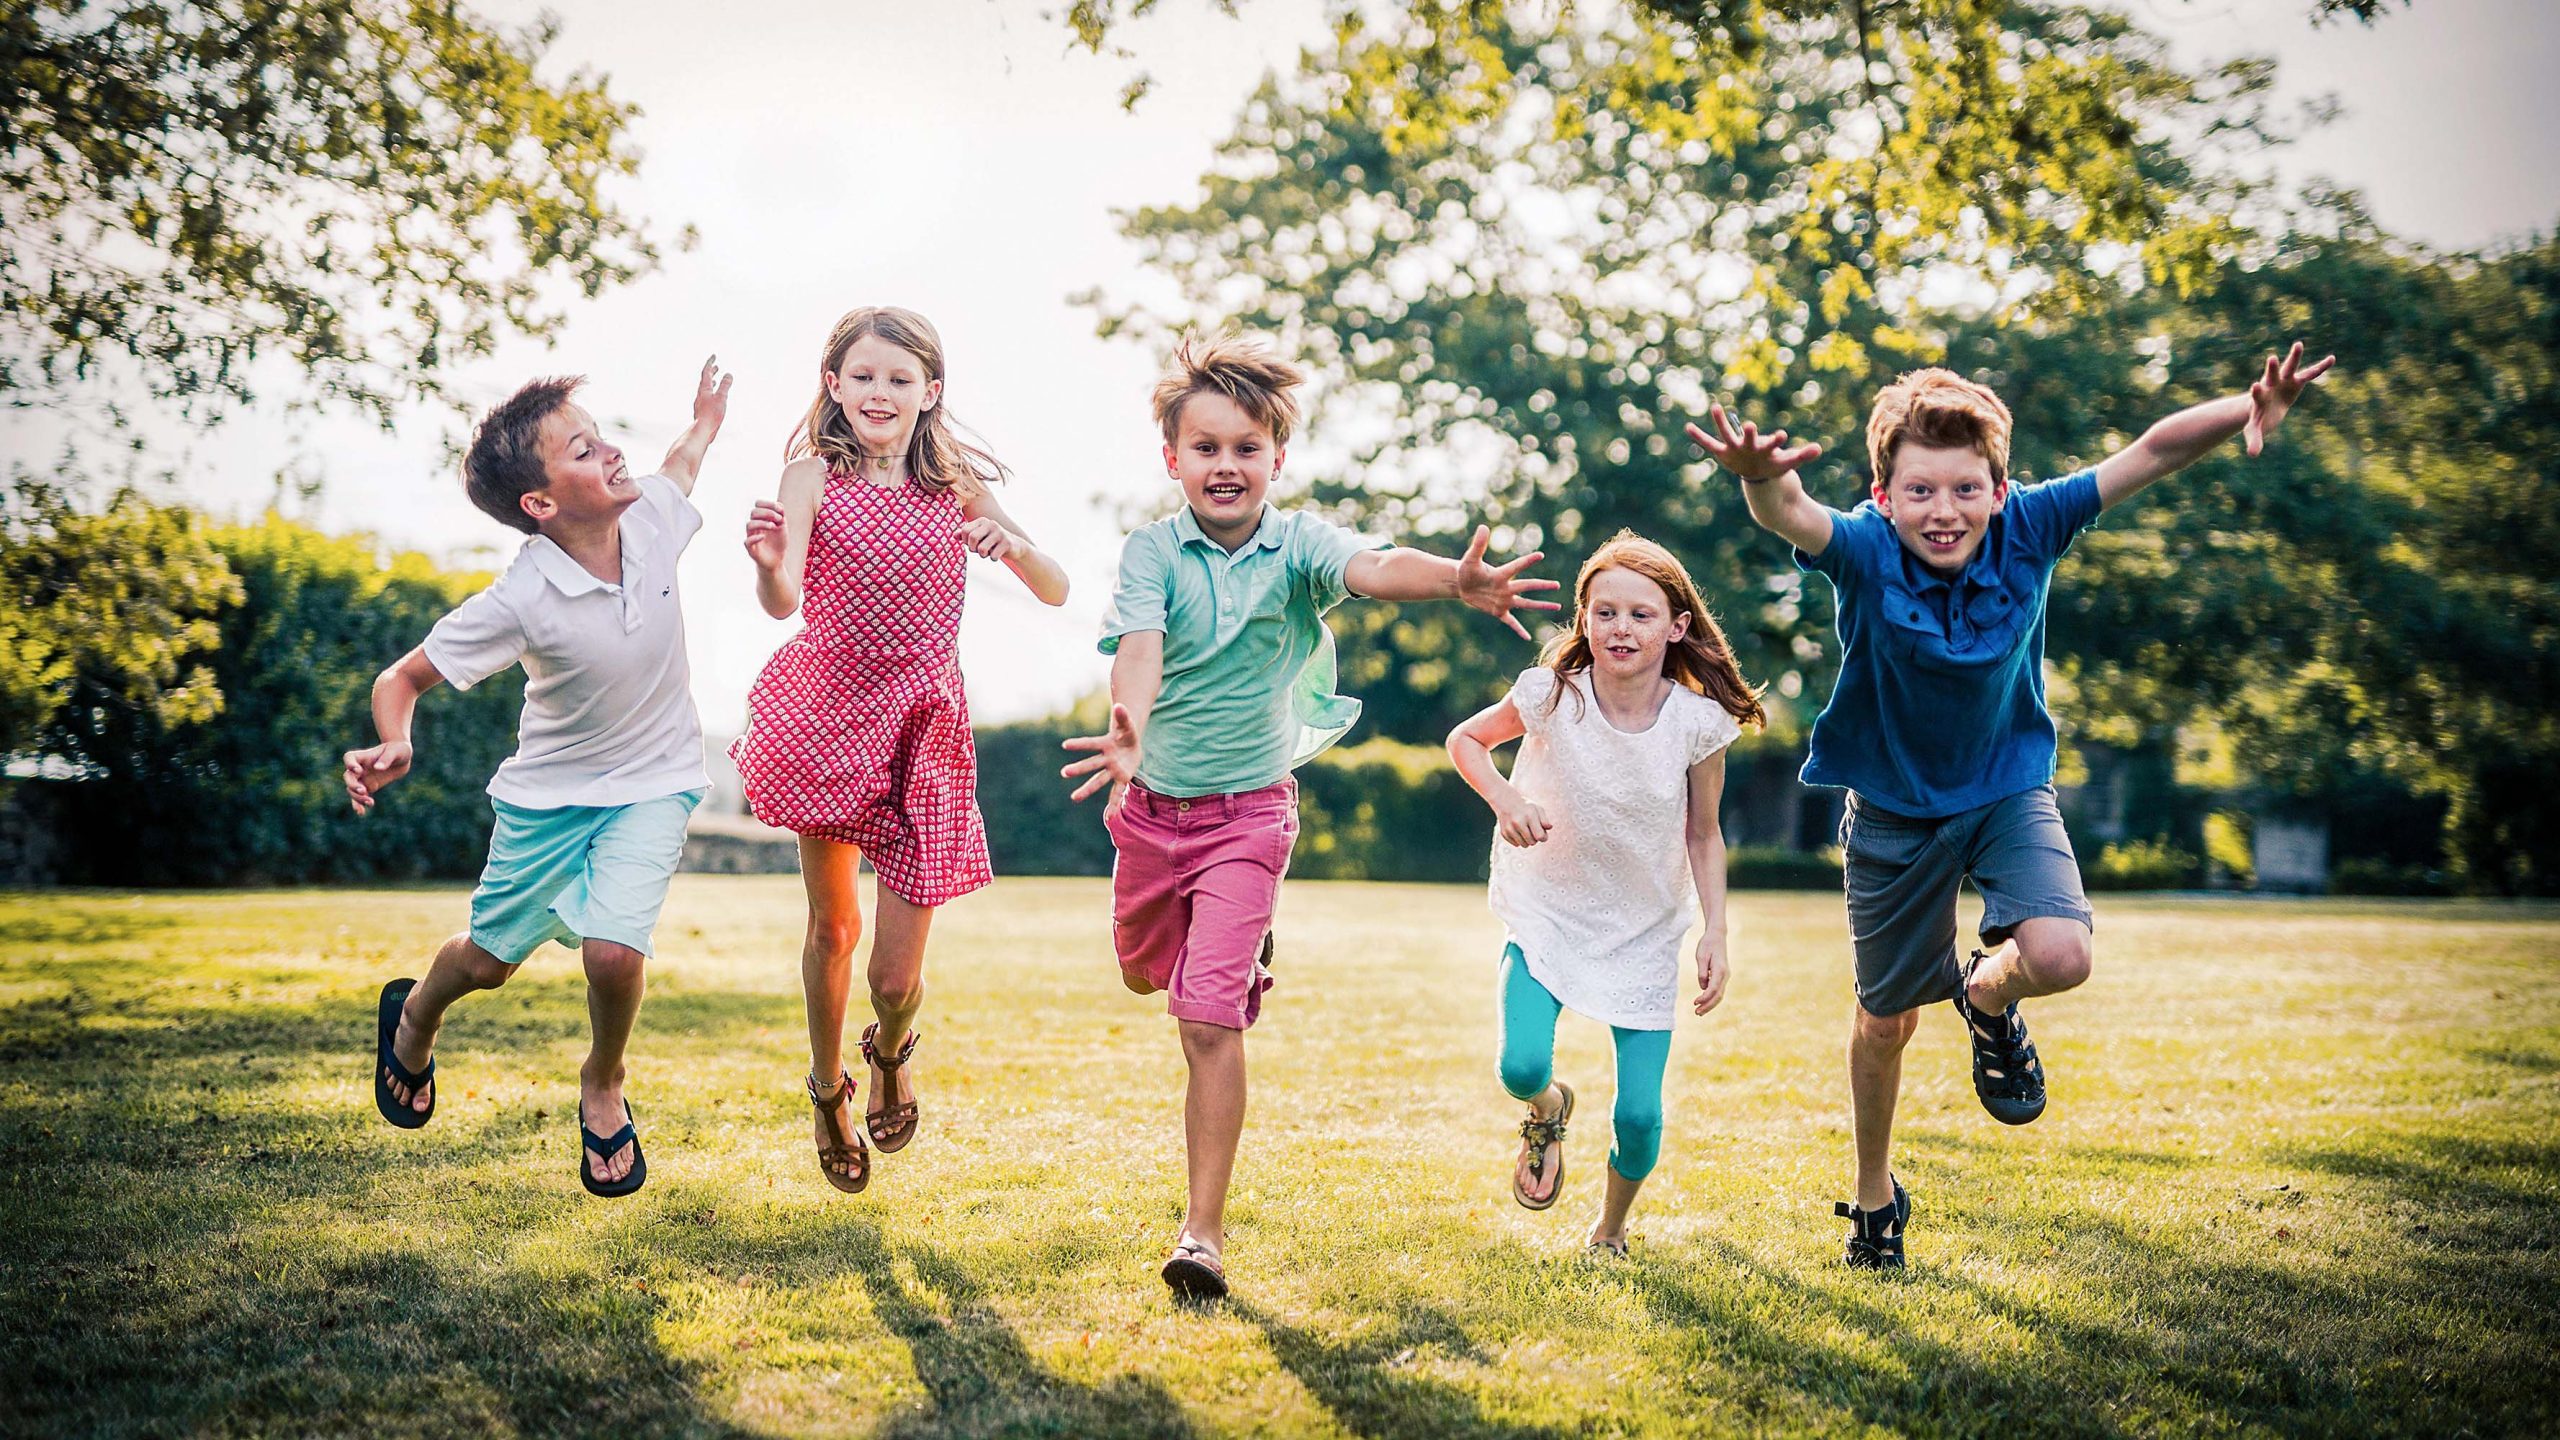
x,y
1943,539
878,416
1223,493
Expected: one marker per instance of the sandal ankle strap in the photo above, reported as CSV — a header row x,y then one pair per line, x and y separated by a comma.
x,y
871,1053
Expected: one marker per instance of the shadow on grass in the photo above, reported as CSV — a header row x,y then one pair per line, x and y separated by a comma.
x,y
1358,1382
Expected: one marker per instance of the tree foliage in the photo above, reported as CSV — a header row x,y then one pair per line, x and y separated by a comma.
x,y
1511,312
368,190
252,794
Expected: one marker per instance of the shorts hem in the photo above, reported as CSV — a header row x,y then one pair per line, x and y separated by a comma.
x,y
1995,932
1225,1017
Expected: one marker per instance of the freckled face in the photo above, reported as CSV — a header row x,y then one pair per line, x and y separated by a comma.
x,y
583,477
884,392
1941,500
1629,624
1225,460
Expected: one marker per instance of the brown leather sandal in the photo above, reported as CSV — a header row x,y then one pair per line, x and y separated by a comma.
x,y
1535,1136
848,1149
891,1126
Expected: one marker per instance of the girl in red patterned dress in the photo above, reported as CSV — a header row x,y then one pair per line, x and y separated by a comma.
x,y
858,731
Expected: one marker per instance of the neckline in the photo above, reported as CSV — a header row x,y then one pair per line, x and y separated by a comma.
x,y
1591,697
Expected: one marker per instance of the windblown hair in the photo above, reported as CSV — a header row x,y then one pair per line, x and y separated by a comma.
x,y
1942,409
1240,367
504,463
936,454
1701,660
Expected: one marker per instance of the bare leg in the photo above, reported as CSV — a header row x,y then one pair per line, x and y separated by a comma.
x,y
460,967
897,989
2043,956
1875,1083
827,870
614,986
1212,1125
1611,1228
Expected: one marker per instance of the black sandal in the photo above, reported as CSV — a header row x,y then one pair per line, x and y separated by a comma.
x,y
849,1146
1875,1236
387,1067
596,1147
2007,1076
1194,1272
894,1125
1535,1136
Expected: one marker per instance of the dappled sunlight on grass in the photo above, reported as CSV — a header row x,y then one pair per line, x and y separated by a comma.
x,y
2300,1174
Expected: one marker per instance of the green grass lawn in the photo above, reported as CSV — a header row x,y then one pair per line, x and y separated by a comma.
x,y
2301,1174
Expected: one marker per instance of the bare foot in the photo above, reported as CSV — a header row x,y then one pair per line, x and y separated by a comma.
x,y
413,1052
600,1110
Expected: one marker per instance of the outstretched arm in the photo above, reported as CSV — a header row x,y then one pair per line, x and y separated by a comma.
x,y
1137,674
1516,818
991,534
395,705
683,464
2195,432
1767,469
1408,574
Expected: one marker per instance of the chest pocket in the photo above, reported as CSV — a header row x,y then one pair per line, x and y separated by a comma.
x,y
1992,623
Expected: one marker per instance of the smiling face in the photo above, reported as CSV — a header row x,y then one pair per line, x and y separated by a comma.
x,y
1941,500
584,479
1628,622
1225,460
884,390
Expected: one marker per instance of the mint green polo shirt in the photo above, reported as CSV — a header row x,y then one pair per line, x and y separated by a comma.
x,y
1248,663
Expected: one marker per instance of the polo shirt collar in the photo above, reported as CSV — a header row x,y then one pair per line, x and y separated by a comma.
x,y
573,579
1266,530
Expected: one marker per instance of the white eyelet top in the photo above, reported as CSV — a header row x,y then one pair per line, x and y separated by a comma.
x,y
1599,908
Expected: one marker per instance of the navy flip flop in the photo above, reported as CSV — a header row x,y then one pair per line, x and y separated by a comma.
x,y
601,1147
387,1066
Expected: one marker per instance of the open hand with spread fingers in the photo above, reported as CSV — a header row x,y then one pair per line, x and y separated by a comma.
x,y
1114,761
1497,590
2275,392
1748,453
766,539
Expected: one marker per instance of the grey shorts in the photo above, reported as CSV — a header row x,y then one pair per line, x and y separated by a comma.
x,y
1903,873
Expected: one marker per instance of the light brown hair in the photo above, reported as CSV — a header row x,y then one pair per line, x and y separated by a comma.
x,y
1240,367
1942,409
1700,660
935,455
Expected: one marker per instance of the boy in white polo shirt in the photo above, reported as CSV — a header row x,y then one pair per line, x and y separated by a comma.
x,y
591,808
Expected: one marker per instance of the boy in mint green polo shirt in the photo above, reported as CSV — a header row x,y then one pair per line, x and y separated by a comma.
x,y
1222,682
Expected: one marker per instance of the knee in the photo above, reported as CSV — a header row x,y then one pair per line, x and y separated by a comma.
x,y
2056,962
613,964
1525,1077
1638,1123
1884,1033
895,992
1202,1040
833,935
484,970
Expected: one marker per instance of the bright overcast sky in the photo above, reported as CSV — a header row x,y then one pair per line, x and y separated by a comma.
x,y
953,157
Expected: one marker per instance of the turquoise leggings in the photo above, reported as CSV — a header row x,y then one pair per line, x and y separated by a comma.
x,y
1529,1013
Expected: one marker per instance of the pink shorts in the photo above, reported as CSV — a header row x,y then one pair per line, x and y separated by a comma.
x,y
1192,892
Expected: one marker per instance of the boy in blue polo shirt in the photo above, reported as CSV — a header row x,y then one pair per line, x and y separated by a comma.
x,y
1937,726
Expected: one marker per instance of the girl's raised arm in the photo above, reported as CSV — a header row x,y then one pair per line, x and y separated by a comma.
x,y
778,535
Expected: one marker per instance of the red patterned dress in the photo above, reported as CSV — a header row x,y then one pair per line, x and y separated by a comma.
x,y
858,729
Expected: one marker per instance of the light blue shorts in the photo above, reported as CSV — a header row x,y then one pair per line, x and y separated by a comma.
x,y
578,872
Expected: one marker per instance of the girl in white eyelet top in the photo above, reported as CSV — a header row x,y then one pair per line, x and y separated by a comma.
x,y
1608,817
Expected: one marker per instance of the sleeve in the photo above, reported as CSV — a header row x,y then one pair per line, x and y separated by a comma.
x,y
2046,518
1320,555
673,508
1530,694
1712,729
1142,594
1853,553
477,640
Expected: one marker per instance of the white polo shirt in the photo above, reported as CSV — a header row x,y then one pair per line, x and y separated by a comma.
x,y
608,698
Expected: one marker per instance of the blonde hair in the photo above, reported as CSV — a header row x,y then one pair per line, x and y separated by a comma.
x,y
935,455
1700,660
1240,367
1942,409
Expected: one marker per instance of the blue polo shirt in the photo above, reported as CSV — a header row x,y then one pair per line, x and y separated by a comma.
x,y
1939,708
